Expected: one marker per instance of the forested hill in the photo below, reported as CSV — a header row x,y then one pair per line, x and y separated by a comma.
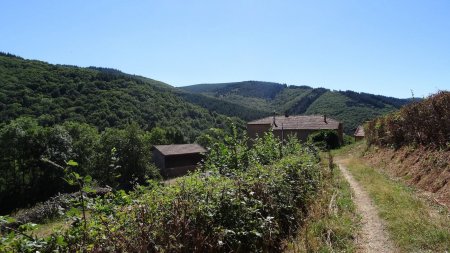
x,y
110,98
352,108
105,98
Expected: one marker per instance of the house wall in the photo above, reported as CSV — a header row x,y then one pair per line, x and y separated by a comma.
x,y
257,130
177,171
176,165
182,160
302,134
158,159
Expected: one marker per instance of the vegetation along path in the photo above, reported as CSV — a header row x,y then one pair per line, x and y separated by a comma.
x,y
374,237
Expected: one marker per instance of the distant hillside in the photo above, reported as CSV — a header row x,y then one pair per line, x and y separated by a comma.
x,y
104,98
110,98
352,108
224,107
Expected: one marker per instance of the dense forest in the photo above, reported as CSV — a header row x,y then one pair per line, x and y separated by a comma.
x,y
101,97
352,108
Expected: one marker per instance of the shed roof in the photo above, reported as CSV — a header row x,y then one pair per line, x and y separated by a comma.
x,y
314,122
179,149
359,131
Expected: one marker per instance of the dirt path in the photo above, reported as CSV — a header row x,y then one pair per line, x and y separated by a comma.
x,y
374,237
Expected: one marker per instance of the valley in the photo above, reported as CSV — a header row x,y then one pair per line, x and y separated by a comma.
x,y
78,173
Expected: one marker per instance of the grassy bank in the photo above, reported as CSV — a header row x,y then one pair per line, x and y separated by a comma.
x,y
332,222
412,223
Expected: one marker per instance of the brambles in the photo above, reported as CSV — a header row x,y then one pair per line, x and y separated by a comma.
x,y
425,123
253,207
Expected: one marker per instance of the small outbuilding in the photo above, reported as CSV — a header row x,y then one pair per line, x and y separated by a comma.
x,y
300,125
176,160
359,133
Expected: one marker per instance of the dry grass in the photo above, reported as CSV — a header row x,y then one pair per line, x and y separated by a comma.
x,y
46,229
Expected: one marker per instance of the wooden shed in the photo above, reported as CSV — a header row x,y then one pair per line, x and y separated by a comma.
x,y
300,125
359,133
176,160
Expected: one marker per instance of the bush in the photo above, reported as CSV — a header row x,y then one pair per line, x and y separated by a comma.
x,y
251,208
424,123
325,139
348,139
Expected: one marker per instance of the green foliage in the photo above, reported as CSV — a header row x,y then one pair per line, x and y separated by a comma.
x,y
233,154
302,105
85,186
348,140
158,136
18,239
325,139
422,123
211,136
252,210
333,221
267,148
30,154
100,97
224,107
23,145
229,155
131,156
346,109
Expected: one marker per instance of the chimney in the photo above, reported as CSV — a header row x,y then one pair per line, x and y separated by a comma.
x,y
325,118
274,123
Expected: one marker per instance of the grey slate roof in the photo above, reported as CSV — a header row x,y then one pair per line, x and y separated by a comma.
x,y
313,122
179,149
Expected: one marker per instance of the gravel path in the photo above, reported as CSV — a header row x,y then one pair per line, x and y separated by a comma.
x,y
374,237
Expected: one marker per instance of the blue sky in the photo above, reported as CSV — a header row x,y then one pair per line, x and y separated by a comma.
x,y
381,47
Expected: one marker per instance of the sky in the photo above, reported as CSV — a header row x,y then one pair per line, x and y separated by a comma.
x,y
393,48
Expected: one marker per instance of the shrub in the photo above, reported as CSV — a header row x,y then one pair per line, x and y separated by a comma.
x,y
250,209
348,139
254,210
424,123
325,139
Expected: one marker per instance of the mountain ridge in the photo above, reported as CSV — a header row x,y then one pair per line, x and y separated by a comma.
x,y
107,97
352,108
